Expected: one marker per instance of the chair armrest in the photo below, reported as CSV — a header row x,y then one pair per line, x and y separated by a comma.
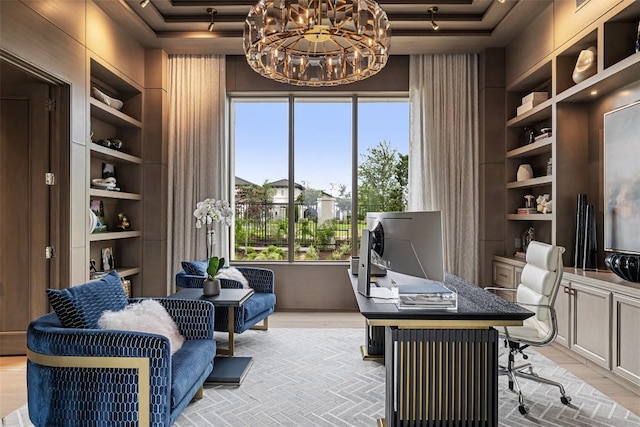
x,y
46,338
194,318
536,305
262,280
184,280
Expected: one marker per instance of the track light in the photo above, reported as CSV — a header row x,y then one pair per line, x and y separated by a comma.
x,y
433,11
144,3
211,11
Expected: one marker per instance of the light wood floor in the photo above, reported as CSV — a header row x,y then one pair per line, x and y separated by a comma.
x,y
13,390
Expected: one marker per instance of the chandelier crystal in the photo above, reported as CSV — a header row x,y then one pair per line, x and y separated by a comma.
x,y
317,42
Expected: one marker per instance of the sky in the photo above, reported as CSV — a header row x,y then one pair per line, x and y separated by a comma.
x,y
322,138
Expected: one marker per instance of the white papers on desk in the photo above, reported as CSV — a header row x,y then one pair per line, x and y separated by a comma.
x,y
381,292
385,301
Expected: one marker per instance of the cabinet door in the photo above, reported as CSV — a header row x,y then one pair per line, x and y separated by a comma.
x,y
626,318
563,309
591,323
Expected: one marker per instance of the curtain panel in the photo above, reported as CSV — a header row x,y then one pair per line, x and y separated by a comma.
x,y
443,152
198,154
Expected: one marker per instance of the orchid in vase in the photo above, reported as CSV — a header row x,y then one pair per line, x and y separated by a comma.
x,y
207,212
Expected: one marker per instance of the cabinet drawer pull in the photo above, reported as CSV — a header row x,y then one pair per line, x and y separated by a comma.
x,y
502,275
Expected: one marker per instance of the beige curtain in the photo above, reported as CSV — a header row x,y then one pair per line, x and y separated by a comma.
x,y
443,152
198,153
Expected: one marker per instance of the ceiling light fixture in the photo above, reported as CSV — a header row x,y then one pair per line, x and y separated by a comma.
x,y
317,42
433,11
211,11
144,3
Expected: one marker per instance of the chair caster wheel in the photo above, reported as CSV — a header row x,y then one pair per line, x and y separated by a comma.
x,y
524,409
565,400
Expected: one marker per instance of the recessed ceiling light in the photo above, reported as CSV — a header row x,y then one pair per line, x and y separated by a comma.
x,y
594,92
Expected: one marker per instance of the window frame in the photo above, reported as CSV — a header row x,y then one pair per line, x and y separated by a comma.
x,y
291,98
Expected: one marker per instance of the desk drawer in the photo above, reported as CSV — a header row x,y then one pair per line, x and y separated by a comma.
x,y
504,275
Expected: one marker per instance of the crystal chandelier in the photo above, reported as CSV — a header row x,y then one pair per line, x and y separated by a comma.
x,y
317,42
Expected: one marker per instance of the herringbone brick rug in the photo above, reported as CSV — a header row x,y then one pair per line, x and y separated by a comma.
x,y
316,377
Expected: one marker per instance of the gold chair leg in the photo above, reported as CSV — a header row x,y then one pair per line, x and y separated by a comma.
x,y
263,327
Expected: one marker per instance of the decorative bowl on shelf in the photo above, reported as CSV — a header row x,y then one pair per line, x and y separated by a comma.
x,y
103,97
625,266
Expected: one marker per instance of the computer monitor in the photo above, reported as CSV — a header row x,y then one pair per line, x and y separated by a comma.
x,y
409,243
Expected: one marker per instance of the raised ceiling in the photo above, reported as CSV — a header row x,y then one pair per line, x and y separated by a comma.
x,y
180,26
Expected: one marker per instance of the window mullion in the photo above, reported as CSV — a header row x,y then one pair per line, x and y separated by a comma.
x,y
354,176
291,226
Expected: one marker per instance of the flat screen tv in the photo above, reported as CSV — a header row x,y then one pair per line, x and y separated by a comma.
x,y
622,179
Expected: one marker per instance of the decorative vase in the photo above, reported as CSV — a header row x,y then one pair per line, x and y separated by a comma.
x,y
579,247
624,266
590,260
586,65
524,172
211,288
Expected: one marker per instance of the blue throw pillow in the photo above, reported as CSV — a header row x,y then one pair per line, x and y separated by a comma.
x,y
81,306
195,268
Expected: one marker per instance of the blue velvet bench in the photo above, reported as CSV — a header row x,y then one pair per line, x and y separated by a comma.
x,y
83,375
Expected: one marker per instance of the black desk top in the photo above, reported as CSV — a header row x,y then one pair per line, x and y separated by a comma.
x,y
226,298
476,308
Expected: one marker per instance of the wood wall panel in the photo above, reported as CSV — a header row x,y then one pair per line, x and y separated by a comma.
x,y
26,34
67,15
569,21
531,46
313,286
394,77
111,42
79,201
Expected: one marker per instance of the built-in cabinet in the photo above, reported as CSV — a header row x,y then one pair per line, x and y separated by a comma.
x,y
597,315
626,318
506,274
590,322
124,125
567,113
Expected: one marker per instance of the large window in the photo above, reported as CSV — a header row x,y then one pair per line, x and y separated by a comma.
x,y
295,170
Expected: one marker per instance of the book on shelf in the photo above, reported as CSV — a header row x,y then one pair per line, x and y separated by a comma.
x,y
535,97
526,211
520,254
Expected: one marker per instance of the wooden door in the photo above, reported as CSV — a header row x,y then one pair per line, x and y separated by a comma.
x,y
24,209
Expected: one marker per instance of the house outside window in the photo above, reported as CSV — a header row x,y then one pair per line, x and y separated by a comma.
x,y
297,160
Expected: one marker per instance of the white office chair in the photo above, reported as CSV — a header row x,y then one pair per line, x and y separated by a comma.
x,y
539,284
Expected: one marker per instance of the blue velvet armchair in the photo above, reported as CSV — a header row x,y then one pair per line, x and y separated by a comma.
x,y
81,376
258,308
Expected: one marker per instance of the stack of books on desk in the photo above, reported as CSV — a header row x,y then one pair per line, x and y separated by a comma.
x,y
446,301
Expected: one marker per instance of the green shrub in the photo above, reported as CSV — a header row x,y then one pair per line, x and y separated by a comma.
x,y
311,254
